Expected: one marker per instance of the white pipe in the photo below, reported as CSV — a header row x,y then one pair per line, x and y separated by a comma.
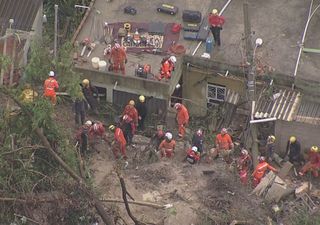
x,y
304,36
263,120
81,6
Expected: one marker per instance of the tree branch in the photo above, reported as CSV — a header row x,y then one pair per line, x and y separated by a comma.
x,y
157,206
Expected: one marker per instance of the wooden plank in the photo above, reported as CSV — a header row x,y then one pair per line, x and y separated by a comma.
x,y
13,57
4,54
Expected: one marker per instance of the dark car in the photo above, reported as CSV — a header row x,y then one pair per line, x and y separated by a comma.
x,y
167,8
130,10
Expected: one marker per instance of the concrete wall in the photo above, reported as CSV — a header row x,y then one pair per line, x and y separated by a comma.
x,y
130,84
195,88
307,134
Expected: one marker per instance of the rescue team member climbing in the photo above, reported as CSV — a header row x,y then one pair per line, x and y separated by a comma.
x,y
167,146
50,87
216,22
118,57
224,146
244,164
119,143
182,119
260,170
167,66
91,95
313,164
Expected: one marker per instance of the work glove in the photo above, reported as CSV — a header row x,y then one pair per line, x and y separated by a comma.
x,y
125,61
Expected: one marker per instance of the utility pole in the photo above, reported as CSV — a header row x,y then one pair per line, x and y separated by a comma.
x,y
251,82
55,31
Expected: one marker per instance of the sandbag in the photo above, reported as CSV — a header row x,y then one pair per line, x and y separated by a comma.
x,y
191,16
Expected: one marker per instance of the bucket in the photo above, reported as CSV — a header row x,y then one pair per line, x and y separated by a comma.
x,y
102,65
95,62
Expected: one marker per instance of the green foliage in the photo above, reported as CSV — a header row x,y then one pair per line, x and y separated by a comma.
x,y
5,61
303,217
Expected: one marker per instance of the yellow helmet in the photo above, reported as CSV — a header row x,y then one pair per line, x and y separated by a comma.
x,y
112,127
314,149
85,82
292,139
214,11
272,138
131,102
142,98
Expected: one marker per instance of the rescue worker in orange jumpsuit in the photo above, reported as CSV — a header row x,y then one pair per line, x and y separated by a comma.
x,y
167,146
182,118
193,155
50,86
224,145
313,165
118,58
127,126
260,170
119,142
167,66
132,112
97,130
244,164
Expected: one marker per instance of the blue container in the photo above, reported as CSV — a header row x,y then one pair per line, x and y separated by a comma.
x,y
209,44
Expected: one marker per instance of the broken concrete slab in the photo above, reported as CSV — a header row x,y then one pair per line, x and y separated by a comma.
x,y
286,168
278,190
303,188
264,184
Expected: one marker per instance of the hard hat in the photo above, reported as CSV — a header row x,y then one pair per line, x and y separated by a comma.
x,y
112,127
224,131
116,45
292,139
272,138
199,132
214,11
314,149
194,148
262,158
131,102
168,135
142,98
244,152
51,74
88,123
173,59
177,105
85,82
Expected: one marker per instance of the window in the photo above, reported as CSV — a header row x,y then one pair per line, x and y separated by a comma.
x,y
215,93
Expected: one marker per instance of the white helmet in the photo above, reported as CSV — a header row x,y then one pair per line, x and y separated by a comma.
x,y
244,152
51,74
88,123
177,105
194,148
173,59
168,135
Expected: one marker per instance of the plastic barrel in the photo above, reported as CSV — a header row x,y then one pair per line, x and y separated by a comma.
x,y
102,65
95,62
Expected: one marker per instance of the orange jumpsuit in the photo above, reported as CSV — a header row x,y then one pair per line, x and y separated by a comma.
x,y
167,148
120,143
244,163
223,142
118,57
132,112
97,129
166,68
50,86
182,119
260,171
312,165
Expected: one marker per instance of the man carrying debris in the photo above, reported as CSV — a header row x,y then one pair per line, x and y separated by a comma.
x,y
260,170
193,155
82,137
132,112
197,140
216,22
167,146
50,87
91,94
167,66
224,145
293,151
119,143
79,108
182,119
244,164
313,164
118,58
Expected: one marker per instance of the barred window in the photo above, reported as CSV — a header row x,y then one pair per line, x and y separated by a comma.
x,y
215,93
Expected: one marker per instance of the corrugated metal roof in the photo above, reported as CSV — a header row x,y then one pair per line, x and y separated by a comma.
x,y
308,112
22,11
283,106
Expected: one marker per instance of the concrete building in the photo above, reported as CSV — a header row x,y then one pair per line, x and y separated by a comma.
x,y
20,22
